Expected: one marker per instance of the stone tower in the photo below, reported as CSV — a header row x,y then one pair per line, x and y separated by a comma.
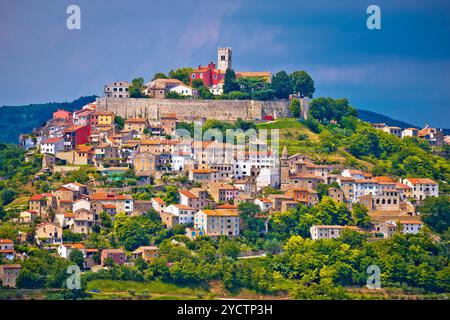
x,y
284,167
224,58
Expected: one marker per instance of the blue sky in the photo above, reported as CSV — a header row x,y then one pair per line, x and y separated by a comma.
x,y
402,70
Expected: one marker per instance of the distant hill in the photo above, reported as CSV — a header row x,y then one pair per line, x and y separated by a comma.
x,y
374,117
23,119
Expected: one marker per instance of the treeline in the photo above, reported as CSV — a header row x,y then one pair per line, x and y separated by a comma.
x,y
408,261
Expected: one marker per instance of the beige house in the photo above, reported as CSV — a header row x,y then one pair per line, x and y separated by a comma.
x,y
216,223
195,198
122,203
137,124
9,274
148,253
27,216
145,164
49,233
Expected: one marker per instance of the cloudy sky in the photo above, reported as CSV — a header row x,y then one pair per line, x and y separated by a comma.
x,y
402,70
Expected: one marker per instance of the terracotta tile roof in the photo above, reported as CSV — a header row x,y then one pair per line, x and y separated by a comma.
x,y
37,197
264,200
135,120
421,181
220,213
188,194
183,207
74,245
226,206
83,148
411,222
400,185
52,140
103,196
73,128
383,179
6,241
159,200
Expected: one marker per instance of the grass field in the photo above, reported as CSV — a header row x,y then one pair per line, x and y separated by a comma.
x,y
109,289
300,139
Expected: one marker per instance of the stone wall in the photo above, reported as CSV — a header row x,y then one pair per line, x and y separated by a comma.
x,y
190,110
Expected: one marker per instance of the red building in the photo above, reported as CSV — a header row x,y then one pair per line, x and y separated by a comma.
x,y
209,74
63,114
76,135
117,255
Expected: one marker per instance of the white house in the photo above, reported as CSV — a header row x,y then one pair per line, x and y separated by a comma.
x,y
81,204
52,145
185,213
268,177
411,226
410,132
65,249
355,174
422,188
264,203
185,90
325,232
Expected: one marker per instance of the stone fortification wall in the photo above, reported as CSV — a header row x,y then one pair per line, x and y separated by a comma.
x,y
190,110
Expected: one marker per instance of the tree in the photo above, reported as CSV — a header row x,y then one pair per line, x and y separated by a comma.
x,y
360,215
302,83
230,84
171,196
435,212
136,88
204,93
71,237
159,75
281,84
272,246
229,248
7,195
120,122
76,256
295,108
182,74
197,83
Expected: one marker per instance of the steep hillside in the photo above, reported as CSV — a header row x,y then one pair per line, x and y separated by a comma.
x,y
23,119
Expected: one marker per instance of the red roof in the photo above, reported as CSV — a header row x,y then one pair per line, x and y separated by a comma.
x,y
188,194
52,140
37,197
421,181
6,241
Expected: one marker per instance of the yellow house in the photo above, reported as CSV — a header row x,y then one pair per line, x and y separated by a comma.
x,y
102,118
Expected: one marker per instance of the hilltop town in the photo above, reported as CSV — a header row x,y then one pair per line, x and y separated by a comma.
x,y
115,186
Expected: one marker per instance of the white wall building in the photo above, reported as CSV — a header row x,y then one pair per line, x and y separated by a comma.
x,y
52,145
185,90
422,188
117,90
184,213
